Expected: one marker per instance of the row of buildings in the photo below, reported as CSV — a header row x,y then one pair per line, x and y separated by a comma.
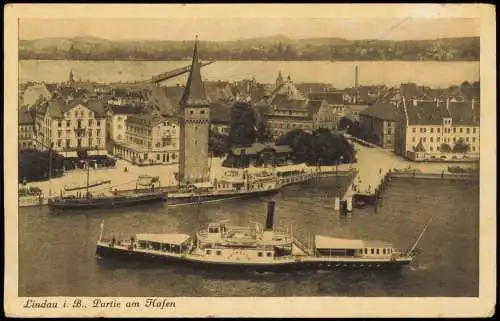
x,y
142,124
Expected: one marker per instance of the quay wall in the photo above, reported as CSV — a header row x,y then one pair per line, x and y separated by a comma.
x,y
447,176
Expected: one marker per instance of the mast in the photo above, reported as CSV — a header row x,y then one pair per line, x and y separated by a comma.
x,y
419,238
88,173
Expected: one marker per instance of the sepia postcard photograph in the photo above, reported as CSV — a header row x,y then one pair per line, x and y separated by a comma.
x,y
250,160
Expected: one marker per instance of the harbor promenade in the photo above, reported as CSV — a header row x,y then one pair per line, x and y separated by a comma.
x,y
374,163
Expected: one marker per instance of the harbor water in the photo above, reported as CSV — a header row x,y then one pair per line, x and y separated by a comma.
x,y
56,250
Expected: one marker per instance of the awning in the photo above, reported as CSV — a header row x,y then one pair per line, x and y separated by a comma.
x,y
173,239
325,242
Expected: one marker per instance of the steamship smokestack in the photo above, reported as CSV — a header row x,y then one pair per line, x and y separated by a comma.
x,y
270,215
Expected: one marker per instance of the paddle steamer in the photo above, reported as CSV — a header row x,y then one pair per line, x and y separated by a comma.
x,y
255,248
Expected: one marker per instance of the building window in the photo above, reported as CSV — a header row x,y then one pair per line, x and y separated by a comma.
x,y
145,155
218,252
59,132
413,139
269,254
467,139
473,148
473,130
90,122
454,130
90,133
468,130
59,143
438,139
378,251
259,254
388,131
473,139
431,139
432,130
423,139
431,149
425,130
98,123
190,112
372,251
67,142
98,132
209,252
202,111
98,141
383,251
59,123
438,130
461,129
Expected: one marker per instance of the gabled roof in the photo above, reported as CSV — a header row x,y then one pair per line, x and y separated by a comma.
x,y
292,104
331,97
158,98
382,110
194,94
313,106
33,93
432,112
24,116
125,109
57,107
462,113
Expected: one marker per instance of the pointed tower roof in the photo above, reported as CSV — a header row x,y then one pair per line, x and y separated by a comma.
x,y
194,92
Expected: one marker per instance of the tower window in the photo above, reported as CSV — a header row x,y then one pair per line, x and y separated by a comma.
x,y
191,112
202,112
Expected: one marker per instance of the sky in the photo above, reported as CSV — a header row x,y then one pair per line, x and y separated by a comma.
x,y
210,29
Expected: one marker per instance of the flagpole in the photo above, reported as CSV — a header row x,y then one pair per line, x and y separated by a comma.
x,y
102,230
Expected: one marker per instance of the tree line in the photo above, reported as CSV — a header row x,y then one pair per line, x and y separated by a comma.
x,y
282,49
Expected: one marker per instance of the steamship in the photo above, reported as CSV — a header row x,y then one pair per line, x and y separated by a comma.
x,y
232,185
255,248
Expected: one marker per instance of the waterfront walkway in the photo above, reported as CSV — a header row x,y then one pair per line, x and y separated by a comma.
x,y
371,163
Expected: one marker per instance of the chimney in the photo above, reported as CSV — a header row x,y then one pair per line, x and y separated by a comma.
x,y
270,215
447,103
472,103
356,78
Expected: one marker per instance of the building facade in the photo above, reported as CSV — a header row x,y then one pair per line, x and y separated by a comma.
x,y
194,127
443,130
68,125
381,121
149,139
25,133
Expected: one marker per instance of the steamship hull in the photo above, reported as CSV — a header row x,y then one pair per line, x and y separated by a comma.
x,y
108,202
177,199
285,265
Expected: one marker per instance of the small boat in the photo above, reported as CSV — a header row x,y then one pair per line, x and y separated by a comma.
x,y
222,246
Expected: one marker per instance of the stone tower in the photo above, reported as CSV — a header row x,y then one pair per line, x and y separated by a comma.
x,y
194,127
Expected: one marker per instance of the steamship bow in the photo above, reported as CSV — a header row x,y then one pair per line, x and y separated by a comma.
x,y
255,248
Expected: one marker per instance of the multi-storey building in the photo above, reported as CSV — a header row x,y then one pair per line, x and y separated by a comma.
x,y
290,110
440,129
116,117
70,124
381,121
195,125
25,129
149,139
220,118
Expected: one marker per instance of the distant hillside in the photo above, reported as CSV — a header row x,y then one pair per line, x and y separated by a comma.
x,y
266,48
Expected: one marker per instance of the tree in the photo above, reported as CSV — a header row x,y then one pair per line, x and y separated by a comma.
x,y
445,148
35,165
242,131
264,134
461,146
218,144
345,123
